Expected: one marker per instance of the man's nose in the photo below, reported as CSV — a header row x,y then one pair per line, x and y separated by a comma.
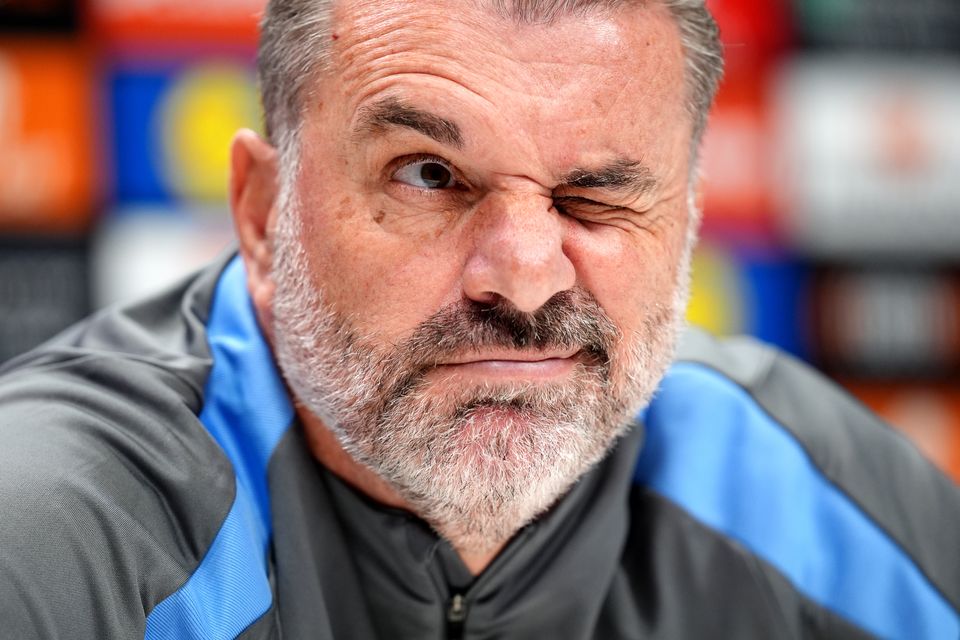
x,y
518,252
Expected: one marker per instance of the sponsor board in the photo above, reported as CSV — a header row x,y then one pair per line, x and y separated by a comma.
x,y
142,250
167,21
172,126
43,289
38,15
48,176
735,167
756,292
888,322
929,414
880,24
869,156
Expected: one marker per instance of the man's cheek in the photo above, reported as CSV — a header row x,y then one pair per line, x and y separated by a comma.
x,y
421,223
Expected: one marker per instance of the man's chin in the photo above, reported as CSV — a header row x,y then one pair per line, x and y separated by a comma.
x,y
501,438
480,476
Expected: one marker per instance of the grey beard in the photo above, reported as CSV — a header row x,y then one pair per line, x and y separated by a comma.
x,y
479,463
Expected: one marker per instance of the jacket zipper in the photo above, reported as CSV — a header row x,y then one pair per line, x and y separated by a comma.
x,y
456,617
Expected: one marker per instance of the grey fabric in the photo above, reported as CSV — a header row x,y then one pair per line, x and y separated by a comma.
x,y
352,569
100,462
881,471
318,593
683,580
267,626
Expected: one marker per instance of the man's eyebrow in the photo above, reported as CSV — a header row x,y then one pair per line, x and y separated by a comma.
x,y
621,175
391,112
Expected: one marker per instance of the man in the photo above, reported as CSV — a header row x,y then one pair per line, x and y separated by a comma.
x,y
421,402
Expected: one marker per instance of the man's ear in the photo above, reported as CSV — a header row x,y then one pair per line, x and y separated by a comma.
x,y
254,186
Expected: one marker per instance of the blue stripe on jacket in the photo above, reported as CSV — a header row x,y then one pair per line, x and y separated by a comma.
x,y
247,411
711,449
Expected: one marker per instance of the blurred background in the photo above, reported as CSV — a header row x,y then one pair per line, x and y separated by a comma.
x,y
832,165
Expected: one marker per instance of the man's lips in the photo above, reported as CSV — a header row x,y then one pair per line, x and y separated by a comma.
x,y
511,365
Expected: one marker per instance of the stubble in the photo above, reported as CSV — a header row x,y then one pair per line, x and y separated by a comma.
x,y
475,461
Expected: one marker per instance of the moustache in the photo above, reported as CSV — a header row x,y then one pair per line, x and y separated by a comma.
x,y
571,319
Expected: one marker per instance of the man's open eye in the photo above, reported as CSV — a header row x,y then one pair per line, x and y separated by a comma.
x,y
426,174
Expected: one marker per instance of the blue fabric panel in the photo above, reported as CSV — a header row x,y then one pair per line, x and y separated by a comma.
x,y
712,450
135,95
247,411
226,593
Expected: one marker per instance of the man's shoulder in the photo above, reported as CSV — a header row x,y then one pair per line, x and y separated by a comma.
x,y
762,451
741,372
742,383
102,456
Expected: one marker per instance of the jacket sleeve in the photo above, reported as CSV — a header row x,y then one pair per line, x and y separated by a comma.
x,y
843,506
101,519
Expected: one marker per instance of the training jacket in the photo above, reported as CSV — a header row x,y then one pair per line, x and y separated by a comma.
x,y
154,483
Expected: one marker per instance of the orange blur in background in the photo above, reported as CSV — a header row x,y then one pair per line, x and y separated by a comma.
x,y
50,163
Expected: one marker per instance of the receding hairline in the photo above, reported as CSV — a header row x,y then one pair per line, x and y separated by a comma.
x,y
516,13
308,29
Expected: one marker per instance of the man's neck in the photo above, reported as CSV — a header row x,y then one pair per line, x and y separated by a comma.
x,y
327,450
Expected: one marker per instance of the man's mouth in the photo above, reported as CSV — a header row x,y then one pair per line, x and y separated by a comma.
x,y
511,365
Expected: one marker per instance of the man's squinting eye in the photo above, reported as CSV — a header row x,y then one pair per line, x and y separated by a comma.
x,y
426,173
574,205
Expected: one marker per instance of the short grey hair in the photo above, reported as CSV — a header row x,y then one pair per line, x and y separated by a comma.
x,y
295,37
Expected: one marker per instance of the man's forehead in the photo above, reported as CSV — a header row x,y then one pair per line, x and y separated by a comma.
x,y
586,29
470,41
516,11
461,74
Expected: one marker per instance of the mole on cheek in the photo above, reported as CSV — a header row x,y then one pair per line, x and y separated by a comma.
x,y
379,216
343,208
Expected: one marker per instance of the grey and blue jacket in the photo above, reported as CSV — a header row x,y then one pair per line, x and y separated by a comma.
x,y
155,483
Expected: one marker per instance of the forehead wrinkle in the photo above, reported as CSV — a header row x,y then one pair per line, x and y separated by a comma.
x,y
392,112
372,32
374,37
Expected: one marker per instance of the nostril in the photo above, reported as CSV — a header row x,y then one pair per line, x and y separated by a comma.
x,y
486,299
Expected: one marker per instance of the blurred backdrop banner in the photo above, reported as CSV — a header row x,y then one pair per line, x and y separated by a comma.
x,y
831,165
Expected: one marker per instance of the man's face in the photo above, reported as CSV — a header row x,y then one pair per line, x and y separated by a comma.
x,y
480,267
